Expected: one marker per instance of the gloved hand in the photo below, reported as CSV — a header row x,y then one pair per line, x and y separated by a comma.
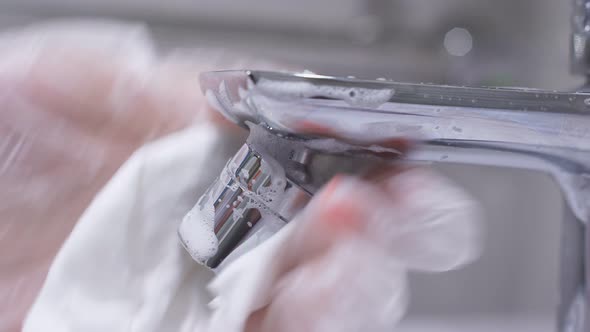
x,y
76,99
341,264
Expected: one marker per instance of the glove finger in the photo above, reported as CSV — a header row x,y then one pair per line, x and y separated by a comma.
x,y
349,288
394,221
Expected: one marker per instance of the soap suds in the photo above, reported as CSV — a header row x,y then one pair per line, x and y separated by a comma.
x,y
355,96
248,181
196,230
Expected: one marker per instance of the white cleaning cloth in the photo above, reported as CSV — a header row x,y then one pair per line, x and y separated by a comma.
x,y
123,269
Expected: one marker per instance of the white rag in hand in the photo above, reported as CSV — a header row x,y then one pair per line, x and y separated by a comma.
x,y
123,268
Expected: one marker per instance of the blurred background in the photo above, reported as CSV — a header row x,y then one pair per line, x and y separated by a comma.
x,y
499,42
513,287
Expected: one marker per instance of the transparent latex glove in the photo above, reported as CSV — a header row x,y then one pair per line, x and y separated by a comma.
x,y
341,264
76,99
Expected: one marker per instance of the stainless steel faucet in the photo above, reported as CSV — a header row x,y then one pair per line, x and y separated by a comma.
x,y
521,128
279,168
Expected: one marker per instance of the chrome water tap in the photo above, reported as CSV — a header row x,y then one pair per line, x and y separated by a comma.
x,y
281,165
278,170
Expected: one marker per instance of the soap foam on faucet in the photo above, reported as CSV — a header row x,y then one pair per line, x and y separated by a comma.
x,y
262,193
355,96
196,230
